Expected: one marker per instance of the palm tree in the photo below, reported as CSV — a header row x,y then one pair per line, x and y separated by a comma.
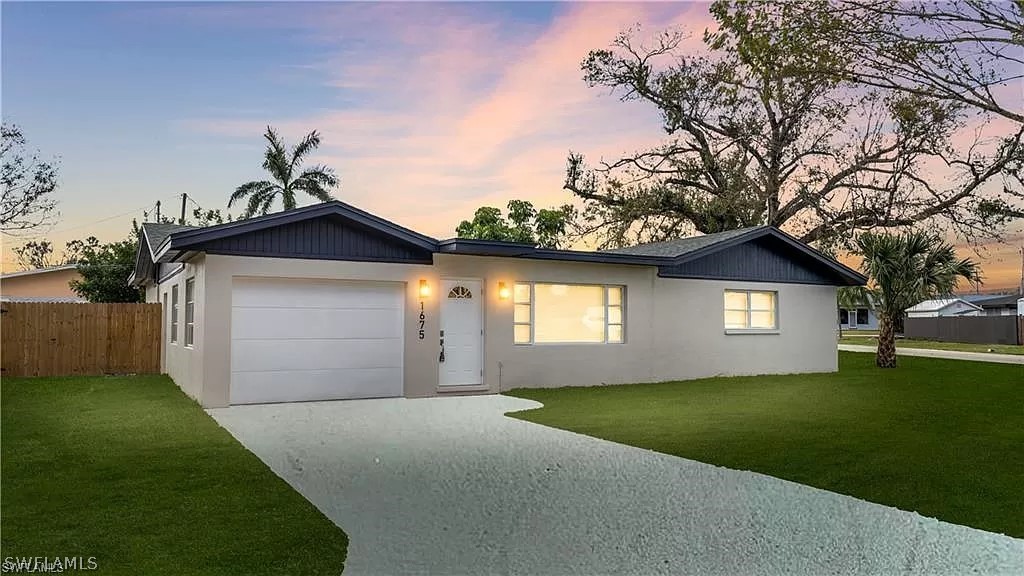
x,y
287,179
903,270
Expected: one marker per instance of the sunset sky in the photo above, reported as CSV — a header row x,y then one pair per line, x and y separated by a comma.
x,y
427,111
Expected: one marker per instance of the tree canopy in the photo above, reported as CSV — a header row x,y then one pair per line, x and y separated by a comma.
x,y
287,177
768,125
105,269
28,184
546,228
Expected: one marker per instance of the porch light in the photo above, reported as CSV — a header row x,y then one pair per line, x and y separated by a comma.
x,y
424,289
503,292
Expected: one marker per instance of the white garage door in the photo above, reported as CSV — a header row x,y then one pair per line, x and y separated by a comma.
x,y
296,340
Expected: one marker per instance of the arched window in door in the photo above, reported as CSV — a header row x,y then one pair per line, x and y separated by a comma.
x,y
460,292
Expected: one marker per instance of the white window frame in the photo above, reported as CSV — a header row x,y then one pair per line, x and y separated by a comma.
x,y
190,311
747,330
174,314
532,321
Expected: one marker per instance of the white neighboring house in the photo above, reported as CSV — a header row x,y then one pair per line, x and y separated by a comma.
x,y
944,307
862,318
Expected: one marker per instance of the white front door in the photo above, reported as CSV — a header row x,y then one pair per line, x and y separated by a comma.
x,y
461,357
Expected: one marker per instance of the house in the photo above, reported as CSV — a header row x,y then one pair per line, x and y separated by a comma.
x,y
944,307
42,285
994,304
331,302
861,318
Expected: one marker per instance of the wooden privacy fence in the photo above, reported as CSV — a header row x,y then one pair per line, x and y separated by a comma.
x,y
58,339
969,329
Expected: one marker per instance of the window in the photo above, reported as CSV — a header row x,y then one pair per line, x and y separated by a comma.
x,y
750,310
174,313
862,315
190,309
568,314
844,316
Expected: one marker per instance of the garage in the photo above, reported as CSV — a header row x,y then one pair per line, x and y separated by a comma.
x,y
295,340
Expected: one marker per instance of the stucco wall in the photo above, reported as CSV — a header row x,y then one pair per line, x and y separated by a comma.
x,y
184,364
52,284
674,328
692,342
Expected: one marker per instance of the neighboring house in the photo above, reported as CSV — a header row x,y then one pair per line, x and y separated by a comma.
x,y
862,318
944,307
994,304
1020,307
330,302
42,285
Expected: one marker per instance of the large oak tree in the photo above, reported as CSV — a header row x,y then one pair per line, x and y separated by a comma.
x,y
765,125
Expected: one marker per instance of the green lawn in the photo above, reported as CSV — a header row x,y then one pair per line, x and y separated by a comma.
x,y
942,437
933,345
130,471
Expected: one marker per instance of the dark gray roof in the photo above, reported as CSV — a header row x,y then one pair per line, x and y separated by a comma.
x,y
992,300
680,246
157,233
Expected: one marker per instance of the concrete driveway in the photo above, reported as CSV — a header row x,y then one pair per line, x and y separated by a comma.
x,y
451,486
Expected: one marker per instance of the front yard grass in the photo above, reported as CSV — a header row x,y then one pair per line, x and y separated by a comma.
x,y
130,471
944,438
935,345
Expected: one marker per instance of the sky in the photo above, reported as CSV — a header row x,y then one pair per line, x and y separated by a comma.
x,y
426,110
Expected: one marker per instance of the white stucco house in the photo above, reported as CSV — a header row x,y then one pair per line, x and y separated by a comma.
x,y
860,318
331,302
944,307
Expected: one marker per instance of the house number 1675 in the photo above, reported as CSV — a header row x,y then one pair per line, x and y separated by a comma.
x,y
423,318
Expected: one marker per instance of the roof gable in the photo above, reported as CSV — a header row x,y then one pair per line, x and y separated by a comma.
x,y
329,237
763,259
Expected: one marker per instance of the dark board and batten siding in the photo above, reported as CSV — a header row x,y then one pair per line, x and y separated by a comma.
x,y
324,238
760,260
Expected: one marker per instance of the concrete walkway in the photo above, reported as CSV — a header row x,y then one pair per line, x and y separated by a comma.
x,y
451,486
950,354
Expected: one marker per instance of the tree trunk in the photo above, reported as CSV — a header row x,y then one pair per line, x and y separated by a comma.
x,y
886,357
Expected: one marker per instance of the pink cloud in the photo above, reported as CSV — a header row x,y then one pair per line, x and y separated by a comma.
x,y
461,109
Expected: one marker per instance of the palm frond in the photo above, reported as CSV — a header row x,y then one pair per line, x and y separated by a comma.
x,y
308,144
275,159
322,175
314,189
248,188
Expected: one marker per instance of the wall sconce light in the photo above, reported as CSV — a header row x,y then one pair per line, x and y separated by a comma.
x,y
424,289
503,292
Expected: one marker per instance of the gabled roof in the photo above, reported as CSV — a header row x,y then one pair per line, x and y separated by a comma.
x,y
686,250
46,270
156,233
185,239
992,300
335,230
937,304
680,246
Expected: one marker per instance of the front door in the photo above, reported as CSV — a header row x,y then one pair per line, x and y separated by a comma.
x,y
461,356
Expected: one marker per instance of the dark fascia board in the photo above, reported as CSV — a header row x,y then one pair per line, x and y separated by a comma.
x,y
849,275
473,247
484,247
182,240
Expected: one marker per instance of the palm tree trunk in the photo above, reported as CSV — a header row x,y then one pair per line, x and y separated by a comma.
x,y
886,357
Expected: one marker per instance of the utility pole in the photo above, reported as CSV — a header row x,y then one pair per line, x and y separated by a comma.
x,y
158,211
184,198
1022,270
